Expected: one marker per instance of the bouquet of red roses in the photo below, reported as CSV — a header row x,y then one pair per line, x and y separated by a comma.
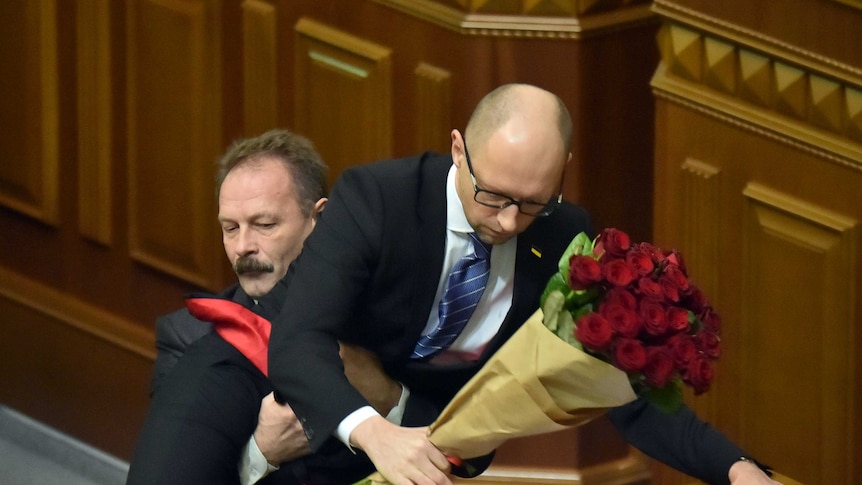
x,y
633,305
617,318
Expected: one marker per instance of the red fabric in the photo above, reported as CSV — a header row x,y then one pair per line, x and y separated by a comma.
x,y
239,326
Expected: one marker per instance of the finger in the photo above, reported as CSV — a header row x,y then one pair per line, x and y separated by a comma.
x,y
440,461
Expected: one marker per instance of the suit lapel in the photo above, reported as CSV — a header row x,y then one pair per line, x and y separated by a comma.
x,y
431,217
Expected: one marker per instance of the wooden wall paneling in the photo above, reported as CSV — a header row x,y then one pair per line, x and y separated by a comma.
x,y
433,107
343,98
779,126
260,62
29,179
72,365
787,239
95,136
174,137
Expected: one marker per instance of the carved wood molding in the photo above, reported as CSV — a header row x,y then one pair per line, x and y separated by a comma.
x,y
95,138
554,19
797,98
71,311
770,46
851,3
701,195
260,62
33,187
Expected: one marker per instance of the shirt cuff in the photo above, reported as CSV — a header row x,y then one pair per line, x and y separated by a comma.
x,y
253,465
396,414
354,419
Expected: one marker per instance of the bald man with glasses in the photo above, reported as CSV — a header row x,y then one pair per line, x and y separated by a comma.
x,y
380,267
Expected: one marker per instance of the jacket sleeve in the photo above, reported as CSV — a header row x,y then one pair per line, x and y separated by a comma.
x,y
174,333
325,283
680,440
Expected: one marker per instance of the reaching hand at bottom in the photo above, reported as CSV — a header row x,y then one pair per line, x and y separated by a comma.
x,y
279,435
746,473
404,456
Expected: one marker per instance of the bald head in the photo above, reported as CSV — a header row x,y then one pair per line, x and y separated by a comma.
x,y
533,106
519,139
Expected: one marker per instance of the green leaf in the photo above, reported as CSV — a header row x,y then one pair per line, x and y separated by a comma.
x,y
556,283
551,309
667,399
566,329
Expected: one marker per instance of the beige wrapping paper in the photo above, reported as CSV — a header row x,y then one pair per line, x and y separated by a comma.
x,y
536,383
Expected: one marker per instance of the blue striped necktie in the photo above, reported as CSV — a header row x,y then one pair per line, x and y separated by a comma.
x,y
464,287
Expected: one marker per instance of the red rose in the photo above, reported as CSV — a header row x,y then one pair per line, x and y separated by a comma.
x,y
653,252
653,316
649,288
678,319
709,343
583,271
624,321
613,242
677,276
699,374
682,348
695,300
618,272
669,288
594,331
710,319
659,368
640,261
622,297
630,355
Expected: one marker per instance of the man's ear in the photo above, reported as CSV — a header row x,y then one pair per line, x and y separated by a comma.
x,y
457,147
318,207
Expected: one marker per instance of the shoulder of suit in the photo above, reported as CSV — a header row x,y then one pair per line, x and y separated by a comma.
x,y
426,160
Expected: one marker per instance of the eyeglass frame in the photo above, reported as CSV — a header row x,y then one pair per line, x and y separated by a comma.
x,y
547,209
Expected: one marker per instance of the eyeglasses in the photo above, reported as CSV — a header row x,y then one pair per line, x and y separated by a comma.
x,y
500,201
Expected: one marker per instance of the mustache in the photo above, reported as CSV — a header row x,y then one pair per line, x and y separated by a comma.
x,y
247,264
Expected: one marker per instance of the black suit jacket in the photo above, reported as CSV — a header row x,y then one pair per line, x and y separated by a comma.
x,y
177,330
368,274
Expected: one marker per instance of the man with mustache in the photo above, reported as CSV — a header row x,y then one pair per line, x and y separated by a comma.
x,y
206,395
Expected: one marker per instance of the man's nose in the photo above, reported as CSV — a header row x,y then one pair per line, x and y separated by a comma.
x,y
246,242
508,218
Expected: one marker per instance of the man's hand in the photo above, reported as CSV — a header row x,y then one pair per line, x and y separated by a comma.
x,y
365,373
747,473
403,455
279,435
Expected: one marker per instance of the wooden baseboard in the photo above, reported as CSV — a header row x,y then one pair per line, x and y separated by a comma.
x,y
73,366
